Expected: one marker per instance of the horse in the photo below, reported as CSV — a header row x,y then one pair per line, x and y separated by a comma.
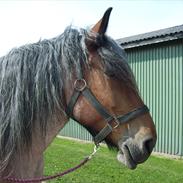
x,y
80,74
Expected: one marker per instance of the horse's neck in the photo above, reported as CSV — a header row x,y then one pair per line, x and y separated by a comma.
x,y
54,126
30,164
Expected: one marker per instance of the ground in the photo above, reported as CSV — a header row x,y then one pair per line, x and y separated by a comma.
x,y
104,168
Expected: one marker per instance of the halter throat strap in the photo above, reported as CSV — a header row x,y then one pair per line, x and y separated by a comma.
x,y
81,88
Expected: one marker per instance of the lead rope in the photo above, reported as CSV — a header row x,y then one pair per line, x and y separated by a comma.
x,y
45,178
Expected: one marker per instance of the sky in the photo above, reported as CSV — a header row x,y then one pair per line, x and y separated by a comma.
x,y
24,22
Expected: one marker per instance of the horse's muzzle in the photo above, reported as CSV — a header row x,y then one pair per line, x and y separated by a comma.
x,y
131,153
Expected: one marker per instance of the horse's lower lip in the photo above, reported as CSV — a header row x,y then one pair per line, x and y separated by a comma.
x,y
125,157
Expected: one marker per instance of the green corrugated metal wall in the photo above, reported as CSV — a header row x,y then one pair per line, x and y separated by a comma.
x,y
74,130
159,73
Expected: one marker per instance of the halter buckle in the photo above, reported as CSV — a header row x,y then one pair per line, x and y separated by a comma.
x,y
80,84
116,121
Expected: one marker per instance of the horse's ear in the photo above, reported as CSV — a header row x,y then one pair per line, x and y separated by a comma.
x,y
101,26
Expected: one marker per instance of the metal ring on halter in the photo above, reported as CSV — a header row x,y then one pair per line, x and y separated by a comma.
x,y
80,84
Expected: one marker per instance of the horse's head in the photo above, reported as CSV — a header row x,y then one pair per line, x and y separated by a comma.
x,y
106,100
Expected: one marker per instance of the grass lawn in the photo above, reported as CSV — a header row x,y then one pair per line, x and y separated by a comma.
x,y
104,168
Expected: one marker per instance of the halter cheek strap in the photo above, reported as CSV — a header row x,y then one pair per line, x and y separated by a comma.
x,y
81,88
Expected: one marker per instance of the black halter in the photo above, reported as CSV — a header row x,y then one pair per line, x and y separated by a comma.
x,y
81,88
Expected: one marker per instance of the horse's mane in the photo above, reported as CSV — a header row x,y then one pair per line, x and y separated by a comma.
x,y
32,79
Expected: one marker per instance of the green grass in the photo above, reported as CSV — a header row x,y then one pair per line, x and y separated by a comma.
x,y
104,168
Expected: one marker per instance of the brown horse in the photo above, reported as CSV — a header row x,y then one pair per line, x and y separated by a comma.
x,y
79,74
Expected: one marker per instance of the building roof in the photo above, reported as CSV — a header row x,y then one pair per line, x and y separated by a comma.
x,y
158,36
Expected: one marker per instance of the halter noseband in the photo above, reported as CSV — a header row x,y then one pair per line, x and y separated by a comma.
x,y
81,88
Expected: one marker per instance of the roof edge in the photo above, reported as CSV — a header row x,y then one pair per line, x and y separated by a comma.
x,y
153,37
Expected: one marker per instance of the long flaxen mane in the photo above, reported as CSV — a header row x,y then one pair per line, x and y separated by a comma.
x,y
32,80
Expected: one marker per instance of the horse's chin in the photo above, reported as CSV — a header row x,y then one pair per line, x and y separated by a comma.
x,y
126,159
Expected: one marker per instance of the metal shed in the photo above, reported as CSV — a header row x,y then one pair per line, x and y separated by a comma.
x,y
156,59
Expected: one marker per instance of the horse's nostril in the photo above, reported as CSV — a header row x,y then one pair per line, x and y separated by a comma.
x,y
149,144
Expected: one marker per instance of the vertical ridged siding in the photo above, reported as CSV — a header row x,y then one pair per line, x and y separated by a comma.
x,y
74,130
158,71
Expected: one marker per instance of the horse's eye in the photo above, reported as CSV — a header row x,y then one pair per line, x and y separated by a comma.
x,y
111,75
